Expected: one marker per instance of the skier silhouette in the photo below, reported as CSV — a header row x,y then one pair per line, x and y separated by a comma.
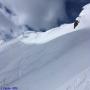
x,y
76,23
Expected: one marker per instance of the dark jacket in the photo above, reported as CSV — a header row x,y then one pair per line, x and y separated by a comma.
x,y
76,23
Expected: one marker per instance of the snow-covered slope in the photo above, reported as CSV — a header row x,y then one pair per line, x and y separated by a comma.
x,y
46,66
45,61
79,82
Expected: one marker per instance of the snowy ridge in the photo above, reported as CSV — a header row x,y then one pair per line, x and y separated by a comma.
x,y
44,37
19,67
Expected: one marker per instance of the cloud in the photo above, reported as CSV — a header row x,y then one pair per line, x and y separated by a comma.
x,y
40,14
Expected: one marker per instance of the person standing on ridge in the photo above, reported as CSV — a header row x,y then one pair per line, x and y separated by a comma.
x,y
76,23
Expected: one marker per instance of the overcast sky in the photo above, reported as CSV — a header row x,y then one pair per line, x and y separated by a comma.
x,y
44,14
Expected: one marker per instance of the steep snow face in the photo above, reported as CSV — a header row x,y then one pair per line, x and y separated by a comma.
x,y
49,64
45,66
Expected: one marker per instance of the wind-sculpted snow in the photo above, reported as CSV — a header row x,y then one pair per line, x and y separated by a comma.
x,y
44,37
46,60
